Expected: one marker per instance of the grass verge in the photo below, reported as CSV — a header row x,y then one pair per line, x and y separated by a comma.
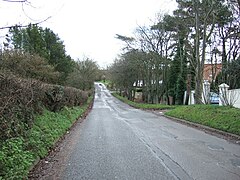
x,y
17,155
218,117
142,105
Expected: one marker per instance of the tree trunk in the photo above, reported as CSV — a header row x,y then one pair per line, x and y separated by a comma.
x,y
198,70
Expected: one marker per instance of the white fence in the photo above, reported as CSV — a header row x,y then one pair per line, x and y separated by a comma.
x,y
233,98
226,97
237,95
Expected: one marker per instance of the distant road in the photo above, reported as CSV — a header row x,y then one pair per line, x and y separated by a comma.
x,y
117,141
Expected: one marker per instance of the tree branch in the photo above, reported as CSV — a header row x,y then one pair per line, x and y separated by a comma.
x,y
149,40
16,1
8,27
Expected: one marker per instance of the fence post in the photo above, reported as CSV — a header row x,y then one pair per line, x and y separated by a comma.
x,y
223,95
206,92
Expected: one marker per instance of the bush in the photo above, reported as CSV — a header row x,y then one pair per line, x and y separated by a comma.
x,y
75,97
83,75
26,65
21,98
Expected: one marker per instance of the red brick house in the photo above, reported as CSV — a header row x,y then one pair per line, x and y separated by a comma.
x,y
211,71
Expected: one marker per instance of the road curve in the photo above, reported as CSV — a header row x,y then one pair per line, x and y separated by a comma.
x,y
117,141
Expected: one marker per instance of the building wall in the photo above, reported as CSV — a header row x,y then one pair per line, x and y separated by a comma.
x,y
211,71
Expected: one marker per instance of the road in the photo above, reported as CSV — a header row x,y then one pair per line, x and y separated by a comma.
x,y
117,141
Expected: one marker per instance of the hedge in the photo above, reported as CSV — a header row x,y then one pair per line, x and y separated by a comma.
x,y
21,98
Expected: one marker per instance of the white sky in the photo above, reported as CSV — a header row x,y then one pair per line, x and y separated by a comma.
x,y
88,27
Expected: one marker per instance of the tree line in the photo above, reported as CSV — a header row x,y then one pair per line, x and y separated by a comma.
x,y
39,53
167,58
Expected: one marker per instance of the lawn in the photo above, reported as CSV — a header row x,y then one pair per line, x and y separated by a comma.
x,y
218,117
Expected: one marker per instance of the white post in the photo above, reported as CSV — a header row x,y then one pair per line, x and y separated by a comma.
x,y
206,92
223,95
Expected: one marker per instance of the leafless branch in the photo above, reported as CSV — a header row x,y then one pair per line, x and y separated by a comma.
x,y
19,25
16,1
23,10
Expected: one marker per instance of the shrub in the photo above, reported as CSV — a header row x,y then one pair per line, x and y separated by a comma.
x,y
21,98
28,66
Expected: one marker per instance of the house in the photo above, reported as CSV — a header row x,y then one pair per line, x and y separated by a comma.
x,y
211,71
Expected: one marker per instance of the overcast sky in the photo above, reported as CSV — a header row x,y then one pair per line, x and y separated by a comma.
x,y
88,27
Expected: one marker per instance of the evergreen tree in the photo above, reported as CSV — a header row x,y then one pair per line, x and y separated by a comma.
x,y
44,42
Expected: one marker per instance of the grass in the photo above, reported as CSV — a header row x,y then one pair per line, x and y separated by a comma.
x,y
142,105
49,127
219,117
17,155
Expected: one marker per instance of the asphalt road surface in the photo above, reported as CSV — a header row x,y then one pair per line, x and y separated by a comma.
x,y
117,141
